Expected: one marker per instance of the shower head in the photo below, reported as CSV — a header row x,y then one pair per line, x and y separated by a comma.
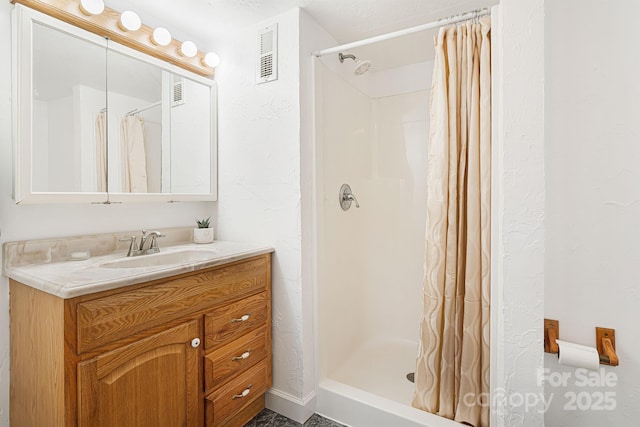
x,y
362,66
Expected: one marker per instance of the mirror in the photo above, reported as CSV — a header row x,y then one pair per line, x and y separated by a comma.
x,y
68,87
101,122
135,111
159,128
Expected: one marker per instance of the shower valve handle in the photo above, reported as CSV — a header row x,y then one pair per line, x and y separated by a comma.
x,y
346,197
352,198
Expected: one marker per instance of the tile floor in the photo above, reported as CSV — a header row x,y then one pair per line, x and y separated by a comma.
x,y
268,418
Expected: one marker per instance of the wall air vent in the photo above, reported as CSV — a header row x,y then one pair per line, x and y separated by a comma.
x,y
177,97
268,54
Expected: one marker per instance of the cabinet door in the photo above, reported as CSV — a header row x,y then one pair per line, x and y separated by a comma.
x,y
153,382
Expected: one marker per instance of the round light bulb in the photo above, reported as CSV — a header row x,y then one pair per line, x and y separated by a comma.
x,y
211,59
188,49
129,21
161,36
91,7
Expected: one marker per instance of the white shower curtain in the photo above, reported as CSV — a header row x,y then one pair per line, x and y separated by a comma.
x,y
452,372
101,152
134,163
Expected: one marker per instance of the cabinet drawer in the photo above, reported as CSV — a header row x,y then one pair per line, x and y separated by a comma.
x,y
232,397
110,318
225,324
234,358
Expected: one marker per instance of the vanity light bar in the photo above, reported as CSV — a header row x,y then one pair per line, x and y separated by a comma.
x,y
91,7
110,23
211,59
188,49
129,21
161,37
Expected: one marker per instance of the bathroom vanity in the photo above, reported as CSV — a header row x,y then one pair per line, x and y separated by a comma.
x,y
155,344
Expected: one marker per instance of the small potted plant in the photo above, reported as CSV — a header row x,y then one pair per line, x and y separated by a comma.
x,y
203,233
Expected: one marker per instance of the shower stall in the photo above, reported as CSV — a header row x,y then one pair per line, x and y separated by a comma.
x,y
372,130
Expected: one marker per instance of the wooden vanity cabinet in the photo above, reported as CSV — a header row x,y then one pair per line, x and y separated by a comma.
x,y
154,381
190,350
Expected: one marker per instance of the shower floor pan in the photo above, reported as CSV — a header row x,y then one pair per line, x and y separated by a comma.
x,y
370,389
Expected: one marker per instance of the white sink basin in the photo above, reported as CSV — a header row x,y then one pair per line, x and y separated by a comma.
x,y
186,256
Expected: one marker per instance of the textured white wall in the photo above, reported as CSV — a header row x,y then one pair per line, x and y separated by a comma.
x,y
518,213
592,106
259,175
19,222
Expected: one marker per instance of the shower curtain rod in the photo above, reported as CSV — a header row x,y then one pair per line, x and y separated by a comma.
x,y
440,23
139,110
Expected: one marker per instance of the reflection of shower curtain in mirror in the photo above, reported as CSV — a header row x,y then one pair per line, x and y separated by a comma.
x,y
101,152
153,151
134,164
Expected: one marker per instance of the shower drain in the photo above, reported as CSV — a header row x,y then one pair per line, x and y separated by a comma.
x,y
410,376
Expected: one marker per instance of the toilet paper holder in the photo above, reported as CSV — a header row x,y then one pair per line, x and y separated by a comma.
x,y
605,342
606,345
551,334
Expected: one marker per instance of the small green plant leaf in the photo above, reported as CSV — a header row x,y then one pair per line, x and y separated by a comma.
x,y
203,223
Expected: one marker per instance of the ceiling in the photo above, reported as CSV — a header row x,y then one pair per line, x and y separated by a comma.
x,y
210,21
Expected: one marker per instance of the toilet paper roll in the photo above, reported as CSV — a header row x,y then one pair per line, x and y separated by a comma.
x,y
579,356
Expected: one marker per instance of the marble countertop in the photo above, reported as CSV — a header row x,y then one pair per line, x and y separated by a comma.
x,y
68,278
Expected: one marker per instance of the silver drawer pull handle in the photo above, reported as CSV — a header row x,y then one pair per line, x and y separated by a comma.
x,y
243,356
242,319
244,393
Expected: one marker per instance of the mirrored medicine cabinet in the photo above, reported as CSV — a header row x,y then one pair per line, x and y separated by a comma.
x,y
95,121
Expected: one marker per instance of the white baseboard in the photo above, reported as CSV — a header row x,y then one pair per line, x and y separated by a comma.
x,y
299,410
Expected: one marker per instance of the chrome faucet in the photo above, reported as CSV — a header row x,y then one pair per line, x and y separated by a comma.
x,y
136,250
